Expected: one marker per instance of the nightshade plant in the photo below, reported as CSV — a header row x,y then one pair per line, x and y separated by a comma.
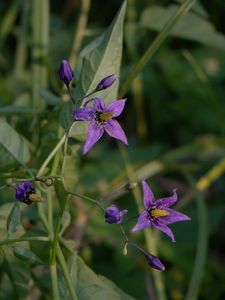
x,y
45,184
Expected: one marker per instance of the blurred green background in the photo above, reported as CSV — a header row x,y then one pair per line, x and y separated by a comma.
x,y
174,119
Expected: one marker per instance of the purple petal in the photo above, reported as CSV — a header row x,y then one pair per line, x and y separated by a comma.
x,y
148,197
99,104
174,217
114,129
162,227
83,114
167,201
95,132
143,222
116,107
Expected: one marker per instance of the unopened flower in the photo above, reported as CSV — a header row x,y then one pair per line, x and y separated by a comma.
x,y
114,215
66,73
25,193
106,82
101,118
154,261
157,212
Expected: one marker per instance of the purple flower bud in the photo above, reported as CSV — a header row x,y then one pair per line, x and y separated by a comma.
x,y
23,191
114,215
106,82
154,262
66,73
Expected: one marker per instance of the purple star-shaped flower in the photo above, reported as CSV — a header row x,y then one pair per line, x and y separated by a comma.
x,y
157,212
101,118
114,215
23,192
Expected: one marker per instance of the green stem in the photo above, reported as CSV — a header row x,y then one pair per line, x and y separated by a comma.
x,y
87,198
54,277
25,239
66,273
64,153
136,69
57,230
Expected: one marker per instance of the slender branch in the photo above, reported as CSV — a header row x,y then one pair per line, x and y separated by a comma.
x,y
88,199
25,239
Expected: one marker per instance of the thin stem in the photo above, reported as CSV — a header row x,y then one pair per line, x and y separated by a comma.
x,y
51,155
71,96
80,31
57,230
64,153
66,273
124,233
87,198
136,69
25,239
55,287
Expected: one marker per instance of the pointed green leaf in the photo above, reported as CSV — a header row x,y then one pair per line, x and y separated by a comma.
x,y
190,26
13,221
13,147
26,255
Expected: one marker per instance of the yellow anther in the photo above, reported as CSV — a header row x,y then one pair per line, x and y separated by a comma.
x,y
106,116
35,198
159,213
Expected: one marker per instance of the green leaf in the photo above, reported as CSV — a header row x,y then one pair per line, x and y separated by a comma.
x,y
26,255
197,7
13,221
190,26
100,58
66,218
78,130
13,146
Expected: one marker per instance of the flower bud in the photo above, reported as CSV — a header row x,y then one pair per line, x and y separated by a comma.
x,y
154,262
66,73
24,191
106,82
114,215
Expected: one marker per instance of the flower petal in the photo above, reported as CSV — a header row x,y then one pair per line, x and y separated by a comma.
x,y
114,129
148,196
167,201
99,104
95,132
116,107
174,217
162,227
83,114
143,222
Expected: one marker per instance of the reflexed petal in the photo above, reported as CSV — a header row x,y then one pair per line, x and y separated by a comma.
x,y
116,107
162,227
99,104
83,114
94,134
174,217
148,196
114,129
142,223
167,201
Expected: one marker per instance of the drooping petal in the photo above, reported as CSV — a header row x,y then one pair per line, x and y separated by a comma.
x,y
83,114
98,104
143,222
174,217
116,107
162,227
148,196
95,132
167,201
114,129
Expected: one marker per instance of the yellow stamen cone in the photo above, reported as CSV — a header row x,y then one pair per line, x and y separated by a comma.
x,y
159,213
35,198
106,116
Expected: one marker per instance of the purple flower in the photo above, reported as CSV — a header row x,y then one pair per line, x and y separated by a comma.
x,y
154,262
23,192
157,212
66,73
101,118
106,82
114,215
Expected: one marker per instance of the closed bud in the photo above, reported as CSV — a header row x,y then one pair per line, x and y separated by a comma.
x,y
106,82
66,73
154,262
